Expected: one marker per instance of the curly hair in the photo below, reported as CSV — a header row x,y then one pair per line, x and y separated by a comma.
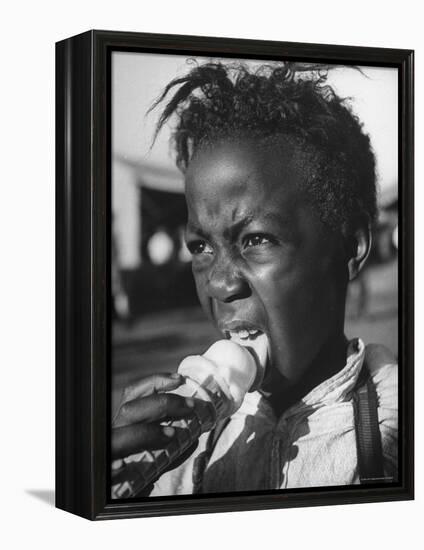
x,y
286,100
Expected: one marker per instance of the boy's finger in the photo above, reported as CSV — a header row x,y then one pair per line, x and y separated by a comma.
x,y
136,438
151,384
153,408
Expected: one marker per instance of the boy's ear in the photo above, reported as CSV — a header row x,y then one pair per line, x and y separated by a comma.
x,y
359,249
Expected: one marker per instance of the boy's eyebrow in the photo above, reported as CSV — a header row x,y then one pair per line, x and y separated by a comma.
x,y
192,226
267,216
235,228
286,225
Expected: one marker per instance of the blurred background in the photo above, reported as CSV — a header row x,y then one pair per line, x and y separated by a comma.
x,y
156,317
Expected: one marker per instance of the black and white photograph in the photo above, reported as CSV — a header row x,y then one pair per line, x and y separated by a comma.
x,y
254,296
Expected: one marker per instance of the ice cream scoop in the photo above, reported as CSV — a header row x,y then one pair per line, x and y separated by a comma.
x,y
235,368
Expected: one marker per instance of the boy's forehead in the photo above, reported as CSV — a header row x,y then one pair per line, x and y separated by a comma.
x,y
245,170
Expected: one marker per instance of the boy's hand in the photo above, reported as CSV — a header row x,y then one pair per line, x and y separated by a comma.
x,y
136,427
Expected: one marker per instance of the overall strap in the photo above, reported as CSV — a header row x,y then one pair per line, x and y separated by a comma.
x,y
368,437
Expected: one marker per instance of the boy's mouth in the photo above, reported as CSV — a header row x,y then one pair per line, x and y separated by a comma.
x,y
242,334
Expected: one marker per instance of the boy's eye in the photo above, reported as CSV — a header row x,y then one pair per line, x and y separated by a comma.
x,y
256,240
199,247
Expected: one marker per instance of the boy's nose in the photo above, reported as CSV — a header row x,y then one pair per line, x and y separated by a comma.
x,y
226,283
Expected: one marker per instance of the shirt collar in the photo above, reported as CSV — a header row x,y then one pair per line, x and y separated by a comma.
x,y
336,388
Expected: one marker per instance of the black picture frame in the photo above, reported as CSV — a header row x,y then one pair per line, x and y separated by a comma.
x,y
83,278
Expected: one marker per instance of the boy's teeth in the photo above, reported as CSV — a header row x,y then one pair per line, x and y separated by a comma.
x,y
244,333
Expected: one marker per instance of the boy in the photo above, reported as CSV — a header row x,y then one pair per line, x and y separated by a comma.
x,y
280,190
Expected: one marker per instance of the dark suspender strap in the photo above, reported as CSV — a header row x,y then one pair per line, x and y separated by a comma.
x,y
202,461
368,437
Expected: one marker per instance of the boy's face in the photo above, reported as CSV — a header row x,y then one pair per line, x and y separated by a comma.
x,y
263,262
